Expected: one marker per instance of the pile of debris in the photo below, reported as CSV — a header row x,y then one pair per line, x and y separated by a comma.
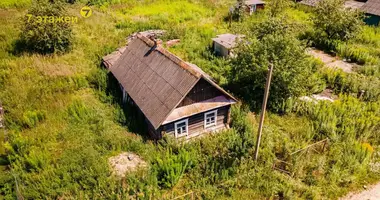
x,y
126,162
326,95
111,59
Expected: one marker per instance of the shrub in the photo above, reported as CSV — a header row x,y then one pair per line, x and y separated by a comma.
x,y
292,69
31,118
78,110
171,167
43,36
333,23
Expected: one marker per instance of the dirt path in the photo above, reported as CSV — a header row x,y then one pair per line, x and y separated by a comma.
x,y
332,62
371,193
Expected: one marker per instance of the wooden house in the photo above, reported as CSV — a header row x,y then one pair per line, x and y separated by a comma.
x,y
372,10
176,98
224,44
350,4
253,5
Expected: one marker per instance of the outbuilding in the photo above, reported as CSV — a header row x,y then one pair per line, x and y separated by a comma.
x,y
254,5
372,10
224,44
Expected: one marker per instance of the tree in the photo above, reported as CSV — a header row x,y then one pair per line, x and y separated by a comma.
x,y
293,69
277,7
333,23
43,32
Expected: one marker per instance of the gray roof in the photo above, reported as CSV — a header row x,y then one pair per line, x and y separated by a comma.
x,y
227,40
310,2
254,2
155,79
372,7
353,4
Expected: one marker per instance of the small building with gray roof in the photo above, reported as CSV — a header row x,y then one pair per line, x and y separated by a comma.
x,y
372,10
224,44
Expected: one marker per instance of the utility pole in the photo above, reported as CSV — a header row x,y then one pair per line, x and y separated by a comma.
x,y
1,116
263,108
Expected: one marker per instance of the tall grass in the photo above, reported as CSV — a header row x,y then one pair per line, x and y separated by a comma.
x,y
15,3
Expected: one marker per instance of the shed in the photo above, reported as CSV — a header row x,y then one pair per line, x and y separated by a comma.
x,y
254,5
372,10
176,98
310,2
347,4
224,44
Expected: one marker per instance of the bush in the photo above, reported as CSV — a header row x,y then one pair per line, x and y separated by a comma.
x,y
171,167
333,23
292,69
44,36
31,118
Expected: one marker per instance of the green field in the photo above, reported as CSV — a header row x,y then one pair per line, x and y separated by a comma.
x,y
64,119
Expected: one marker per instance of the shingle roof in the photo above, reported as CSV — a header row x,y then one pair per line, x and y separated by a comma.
x,y
353,4
372,7
155,79
310,2
253,2
227,40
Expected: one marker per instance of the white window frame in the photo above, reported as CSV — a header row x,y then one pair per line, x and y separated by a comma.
x,y
215,112
176,127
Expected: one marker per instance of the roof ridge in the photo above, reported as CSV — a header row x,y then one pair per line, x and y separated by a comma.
x,y
169,55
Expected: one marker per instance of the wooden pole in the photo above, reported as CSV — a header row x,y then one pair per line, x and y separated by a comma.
x,y
266,94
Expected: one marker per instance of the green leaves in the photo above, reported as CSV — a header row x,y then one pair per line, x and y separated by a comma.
x,y
171,167
32,118
292,69
334,23
42,35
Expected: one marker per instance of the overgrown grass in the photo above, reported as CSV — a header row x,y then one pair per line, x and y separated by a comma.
x,y
15,3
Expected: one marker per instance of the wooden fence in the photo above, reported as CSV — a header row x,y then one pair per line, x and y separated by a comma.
x,y
288,168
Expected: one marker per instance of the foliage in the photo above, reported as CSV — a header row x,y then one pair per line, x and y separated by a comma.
x,y
44,36
238,11
14,3
31,118
333,23
347,118
352,84
292,67
278,7
171,167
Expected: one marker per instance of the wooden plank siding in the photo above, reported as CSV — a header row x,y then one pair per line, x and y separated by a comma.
x,y
202,91
196,123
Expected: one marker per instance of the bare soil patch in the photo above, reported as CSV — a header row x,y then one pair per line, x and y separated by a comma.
x,y
331,61
126,162
371,193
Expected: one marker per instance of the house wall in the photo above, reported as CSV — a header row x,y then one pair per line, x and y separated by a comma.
x,y
196,123
258,7
372,20
220,50
203,90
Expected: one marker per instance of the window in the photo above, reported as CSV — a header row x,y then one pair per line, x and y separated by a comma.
x,y
181,128
210,118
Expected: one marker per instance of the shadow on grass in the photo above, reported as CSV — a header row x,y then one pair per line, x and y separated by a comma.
x,y
132,118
